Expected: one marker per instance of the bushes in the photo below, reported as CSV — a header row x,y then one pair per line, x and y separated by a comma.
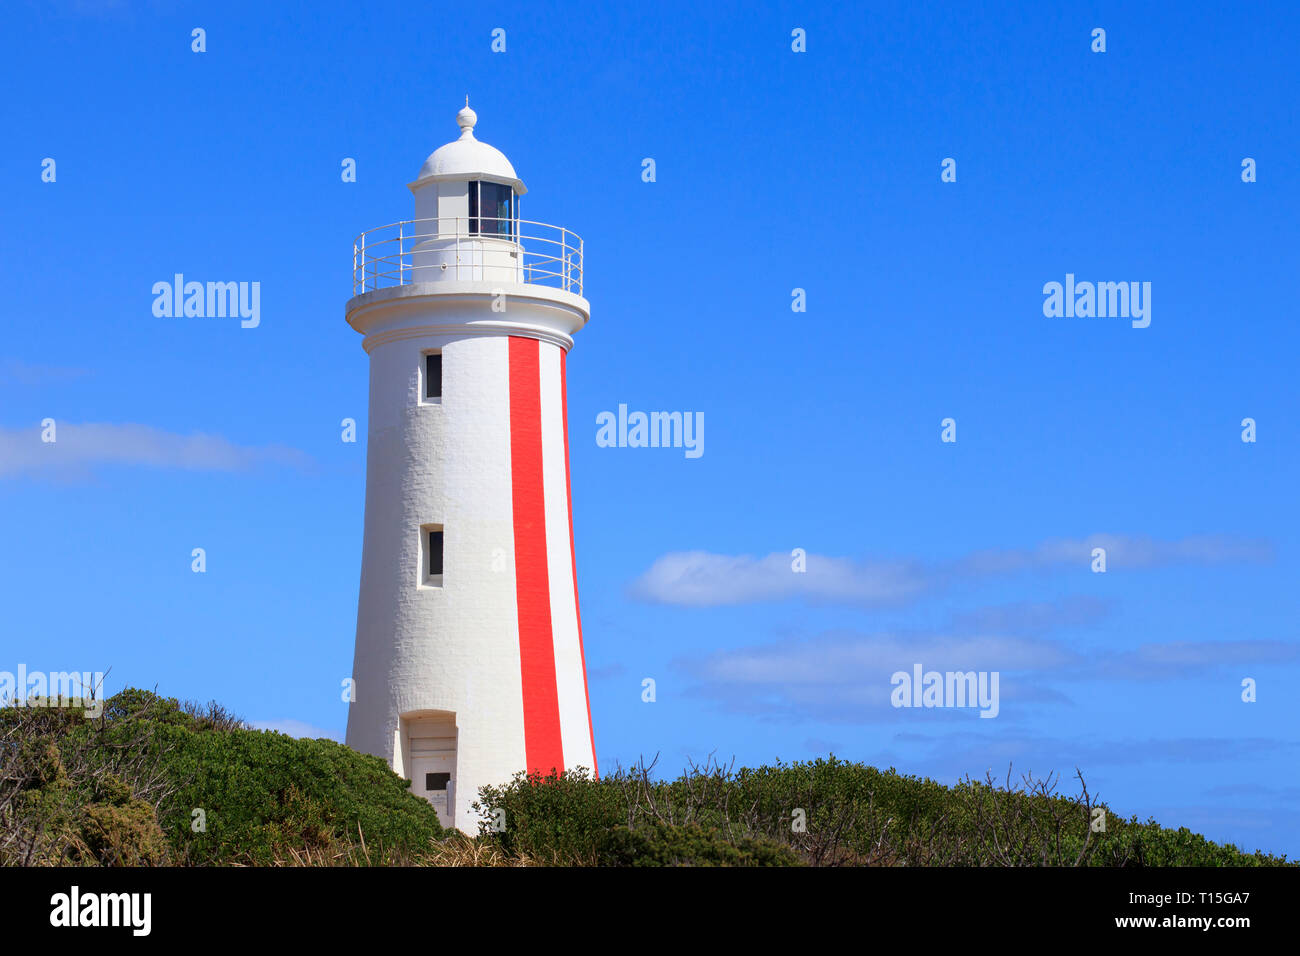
x,y
573,819
555,819
120,829
152,781
264,795
825,813
124,788
51,816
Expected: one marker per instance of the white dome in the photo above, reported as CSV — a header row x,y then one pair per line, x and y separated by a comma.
x,y
468,159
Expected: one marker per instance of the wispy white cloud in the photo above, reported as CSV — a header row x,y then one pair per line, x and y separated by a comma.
x,y
835,659
18,372
1033,617
78,449
844,677
1264,792
960,752
704,579
1188,658
1122,551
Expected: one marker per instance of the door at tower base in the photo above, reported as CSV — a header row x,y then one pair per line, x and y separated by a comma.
x,y
429,749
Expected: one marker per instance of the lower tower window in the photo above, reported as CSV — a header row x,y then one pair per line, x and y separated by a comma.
x,y
432,377
431,554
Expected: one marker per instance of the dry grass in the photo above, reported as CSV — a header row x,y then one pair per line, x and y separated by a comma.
x,y
456,849
461,850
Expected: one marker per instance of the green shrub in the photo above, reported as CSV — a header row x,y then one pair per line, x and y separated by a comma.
x,y
555,818
826,812
121,830
264,794
123,788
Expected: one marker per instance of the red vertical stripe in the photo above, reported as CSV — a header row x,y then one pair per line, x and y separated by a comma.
x,y
542,743
573,556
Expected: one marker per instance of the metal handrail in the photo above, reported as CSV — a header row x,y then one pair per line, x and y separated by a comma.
x,y
384,256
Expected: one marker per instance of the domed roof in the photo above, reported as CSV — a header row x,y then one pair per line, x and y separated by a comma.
x,y
468,159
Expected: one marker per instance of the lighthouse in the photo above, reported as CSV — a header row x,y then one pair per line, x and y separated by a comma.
x,y
469,662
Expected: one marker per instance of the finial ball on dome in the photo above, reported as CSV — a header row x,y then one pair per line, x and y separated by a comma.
x,y
466,119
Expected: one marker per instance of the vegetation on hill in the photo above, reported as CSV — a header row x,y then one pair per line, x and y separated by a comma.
x,y
829,812
151,781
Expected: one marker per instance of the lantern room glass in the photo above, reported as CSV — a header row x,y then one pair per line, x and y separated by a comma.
x,y
491,210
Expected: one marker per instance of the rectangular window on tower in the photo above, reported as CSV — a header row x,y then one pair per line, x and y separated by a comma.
x,y
432,378
491,210
431,555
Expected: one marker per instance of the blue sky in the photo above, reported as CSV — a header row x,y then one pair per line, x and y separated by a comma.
x,y
775,170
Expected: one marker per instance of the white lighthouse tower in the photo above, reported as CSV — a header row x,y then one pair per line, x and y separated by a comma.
x,y
469,663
